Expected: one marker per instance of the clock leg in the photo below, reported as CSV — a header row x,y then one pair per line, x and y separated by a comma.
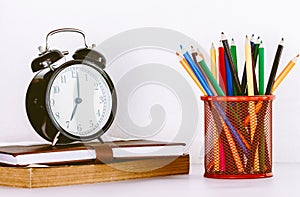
x,y
55,139
100,140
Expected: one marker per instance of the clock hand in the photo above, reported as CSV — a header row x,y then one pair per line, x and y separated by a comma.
x,y
78,100
74,110
77,79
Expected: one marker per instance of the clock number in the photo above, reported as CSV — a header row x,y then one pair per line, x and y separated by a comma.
x,y
52,102
57,115
63,79
74,73
68,124
98,113
56,89
91,124
97,86
79,127
102,99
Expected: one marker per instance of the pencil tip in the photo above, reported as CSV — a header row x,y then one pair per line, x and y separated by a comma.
x,y
223,37
180,46
252,35
177,53
192,46
281,41
297,55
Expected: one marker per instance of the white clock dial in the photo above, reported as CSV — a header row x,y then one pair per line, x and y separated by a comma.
x,y
80,100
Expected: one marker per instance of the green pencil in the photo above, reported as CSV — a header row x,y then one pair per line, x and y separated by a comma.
x,y
234,56
261,69
210,76
233,52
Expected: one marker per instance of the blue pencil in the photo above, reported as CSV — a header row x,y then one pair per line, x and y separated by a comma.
x,y
197,72
228,77
201,79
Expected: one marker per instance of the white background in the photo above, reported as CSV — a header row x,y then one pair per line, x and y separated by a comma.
x,y
24,25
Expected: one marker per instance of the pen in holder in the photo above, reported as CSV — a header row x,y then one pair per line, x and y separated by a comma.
x,y
238,136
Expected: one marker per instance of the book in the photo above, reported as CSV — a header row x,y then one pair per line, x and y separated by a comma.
x,y
59,175
84,152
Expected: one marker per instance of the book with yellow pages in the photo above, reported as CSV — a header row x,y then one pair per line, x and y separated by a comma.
x,y
82,173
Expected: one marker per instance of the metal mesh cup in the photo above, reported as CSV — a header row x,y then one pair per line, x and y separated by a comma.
x,y
238,136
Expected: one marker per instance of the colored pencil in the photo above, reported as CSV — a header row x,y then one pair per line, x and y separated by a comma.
x,y
256,50
202,63
213,61
186,66
235,78
274,67
252,43
253,120
196,71
261,69
233,148
233,131
250,86
249,67
244,77
222,68
216,149
194,55
254,59
284,73
234,56
222,114
209,75
222,157
228,77
201,55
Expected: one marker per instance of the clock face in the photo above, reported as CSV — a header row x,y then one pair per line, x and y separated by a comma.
x,y
79,100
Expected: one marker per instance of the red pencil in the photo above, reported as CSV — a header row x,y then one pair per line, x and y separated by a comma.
x,y
222,68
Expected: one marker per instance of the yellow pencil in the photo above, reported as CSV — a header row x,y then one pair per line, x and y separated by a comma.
x,y
249,67
250,87
252,113
188,69
284,73
213,61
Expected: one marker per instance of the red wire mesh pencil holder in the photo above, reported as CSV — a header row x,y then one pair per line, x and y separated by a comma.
x,y
238,136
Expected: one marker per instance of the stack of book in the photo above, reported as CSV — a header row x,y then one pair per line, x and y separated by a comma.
x,y
46,166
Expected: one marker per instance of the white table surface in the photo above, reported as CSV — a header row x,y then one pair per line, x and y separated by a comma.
x,y
285,182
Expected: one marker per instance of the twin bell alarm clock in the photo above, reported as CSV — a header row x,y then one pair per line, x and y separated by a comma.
x,y
72,100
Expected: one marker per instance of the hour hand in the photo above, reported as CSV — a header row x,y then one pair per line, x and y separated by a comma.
x,y
74,110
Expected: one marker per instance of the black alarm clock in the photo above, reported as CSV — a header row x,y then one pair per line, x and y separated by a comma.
x,y
71,100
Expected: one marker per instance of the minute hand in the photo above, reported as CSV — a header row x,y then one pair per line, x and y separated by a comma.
x,y
77,79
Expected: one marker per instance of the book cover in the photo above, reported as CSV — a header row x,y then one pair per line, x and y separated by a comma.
x,y
80,152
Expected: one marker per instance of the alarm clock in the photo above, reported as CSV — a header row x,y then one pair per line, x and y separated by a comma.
x,y
72,100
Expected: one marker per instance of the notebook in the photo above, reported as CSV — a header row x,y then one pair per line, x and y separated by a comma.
x,y
83,152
